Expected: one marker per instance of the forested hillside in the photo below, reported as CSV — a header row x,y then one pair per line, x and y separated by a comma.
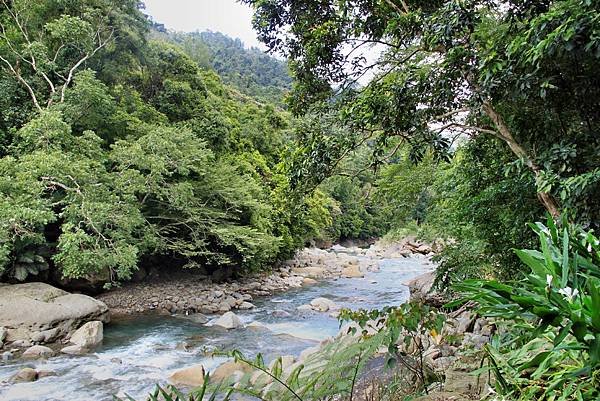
x,y
118,149
248,69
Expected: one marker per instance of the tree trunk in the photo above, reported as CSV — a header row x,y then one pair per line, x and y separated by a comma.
x,y
504,133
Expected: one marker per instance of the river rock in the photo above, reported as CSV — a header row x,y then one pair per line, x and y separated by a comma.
x,y
280,313
307,353
421,289
45,336
2,336
246,305
21,343
313,272
74,350
286,362
89,335
25,375
323,304
38,351
352,271
29,308
45,373
305,308
7,356
309,281
229,321
228,369
192,376
257,326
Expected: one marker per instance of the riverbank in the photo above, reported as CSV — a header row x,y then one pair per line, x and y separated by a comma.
x,y
144,349
191,292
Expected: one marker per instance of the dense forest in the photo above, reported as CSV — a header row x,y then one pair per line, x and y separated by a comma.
x,y
119,148
251,71
123,144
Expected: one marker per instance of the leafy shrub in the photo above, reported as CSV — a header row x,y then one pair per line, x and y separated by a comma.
x,y
551,348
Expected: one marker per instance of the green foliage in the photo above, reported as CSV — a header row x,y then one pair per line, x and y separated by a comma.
x,y
332,372
483,210
117,149
251,71
202,393
552,345
512,96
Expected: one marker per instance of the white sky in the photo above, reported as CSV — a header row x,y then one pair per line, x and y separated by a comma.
x,y
225,16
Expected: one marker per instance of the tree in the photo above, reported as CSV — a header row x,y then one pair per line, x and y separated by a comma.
x,y
525,73
43,45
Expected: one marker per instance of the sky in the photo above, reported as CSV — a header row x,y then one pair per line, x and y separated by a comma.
x,y
225,16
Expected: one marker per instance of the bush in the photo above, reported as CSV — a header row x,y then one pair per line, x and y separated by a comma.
x,y
551,346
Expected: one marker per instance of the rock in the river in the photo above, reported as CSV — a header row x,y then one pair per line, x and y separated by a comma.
x,y
246,305
229,321
192,376
310,271
309,281
38,351
30,308
323,304
2,336
352,271
257,326
228,369
7,356
25,375
305,308
89,335
74,350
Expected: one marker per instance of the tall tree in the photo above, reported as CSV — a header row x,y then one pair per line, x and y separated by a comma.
x,y
523,72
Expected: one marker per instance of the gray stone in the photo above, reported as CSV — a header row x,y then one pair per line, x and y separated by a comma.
x,y
89,335
21,343
26,309
477,341
38,351
2,334
25,375
280,313
305,308
45,336
74,350
7,356
229,321
323,304
246,305
45,373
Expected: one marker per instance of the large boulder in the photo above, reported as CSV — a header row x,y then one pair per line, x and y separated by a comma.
x,y
229,321
421,289
89,335
192,376
30,308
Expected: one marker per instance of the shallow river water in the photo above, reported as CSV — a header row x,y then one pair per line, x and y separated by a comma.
x,y
139,352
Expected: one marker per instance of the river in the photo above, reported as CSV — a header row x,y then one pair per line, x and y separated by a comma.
x,y
141,351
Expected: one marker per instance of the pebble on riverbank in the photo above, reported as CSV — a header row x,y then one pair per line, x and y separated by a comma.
x,y
197,293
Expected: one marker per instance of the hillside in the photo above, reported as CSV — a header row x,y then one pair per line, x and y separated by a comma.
x,y
250,70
